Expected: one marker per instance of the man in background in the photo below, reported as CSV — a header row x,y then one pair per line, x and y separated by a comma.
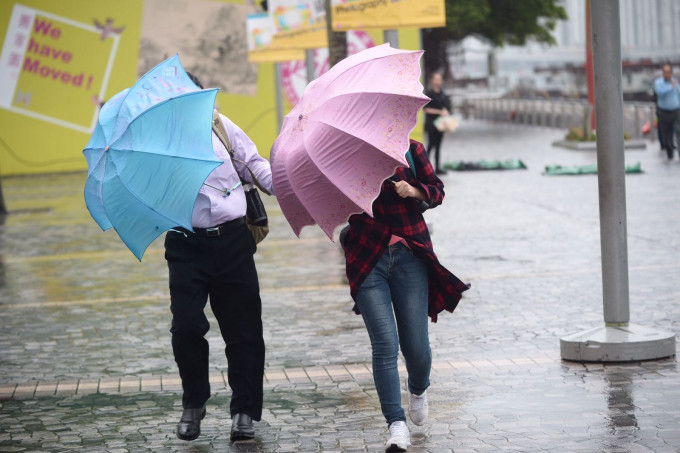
x,y
668,104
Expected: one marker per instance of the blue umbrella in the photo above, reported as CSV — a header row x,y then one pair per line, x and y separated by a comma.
x,y
149,155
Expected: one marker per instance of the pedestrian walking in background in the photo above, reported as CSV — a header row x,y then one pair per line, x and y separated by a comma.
x,y
659,135
216,261
668,104
396,281
440,105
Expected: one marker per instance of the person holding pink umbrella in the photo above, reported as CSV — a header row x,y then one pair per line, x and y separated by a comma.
x,y
334,159
396,281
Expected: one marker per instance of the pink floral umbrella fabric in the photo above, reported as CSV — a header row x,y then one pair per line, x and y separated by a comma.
x,y
348,133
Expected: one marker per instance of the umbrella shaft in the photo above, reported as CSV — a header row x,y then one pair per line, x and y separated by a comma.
x,y
225,192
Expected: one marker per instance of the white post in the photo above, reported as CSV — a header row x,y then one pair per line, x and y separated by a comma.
x,y
610,161
279,99
617,340
392,37
309,63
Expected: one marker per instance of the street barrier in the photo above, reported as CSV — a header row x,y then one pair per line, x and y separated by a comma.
x,y
563,114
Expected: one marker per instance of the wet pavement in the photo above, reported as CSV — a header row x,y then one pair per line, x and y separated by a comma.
x,y
86,362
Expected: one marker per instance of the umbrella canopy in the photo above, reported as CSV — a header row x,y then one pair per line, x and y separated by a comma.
x,y
149,154
349,131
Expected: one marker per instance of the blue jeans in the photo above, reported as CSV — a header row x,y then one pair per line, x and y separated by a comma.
x,y
393,303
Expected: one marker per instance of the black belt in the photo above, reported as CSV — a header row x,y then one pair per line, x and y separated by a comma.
x,y
219,229
668,111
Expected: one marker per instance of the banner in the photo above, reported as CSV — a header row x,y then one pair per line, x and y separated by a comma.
x,y
298,24
56,69
387,14
260,31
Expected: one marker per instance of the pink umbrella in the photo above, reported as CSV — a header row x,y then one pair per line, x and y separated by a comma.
x,y
347,134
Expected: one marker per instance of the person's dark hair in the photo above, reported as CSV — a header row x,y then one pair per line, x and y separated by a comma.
x,y
195,80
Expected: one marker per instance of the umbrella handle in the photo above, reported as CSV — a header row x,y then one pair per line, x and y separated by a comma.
x,y
422,205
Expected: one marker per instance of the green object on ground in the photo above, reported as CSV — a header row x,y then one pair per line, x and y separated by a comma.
x,y
513,164
558,170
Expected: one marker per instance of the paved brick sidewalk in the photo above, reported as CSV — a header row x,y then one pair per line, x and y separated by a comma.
x,y
86,363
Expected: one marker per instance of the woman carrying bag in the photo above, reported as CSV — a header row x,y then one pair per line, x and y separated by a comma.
x,y
397,281
439,106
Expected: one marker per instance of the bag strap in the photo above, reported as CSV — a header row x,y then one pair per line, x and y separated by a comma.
x,y
221,133
422,205
411,162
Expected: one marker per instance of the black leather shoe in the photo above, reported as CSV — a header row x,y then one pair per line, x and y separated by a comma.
x,y
189,426
242,427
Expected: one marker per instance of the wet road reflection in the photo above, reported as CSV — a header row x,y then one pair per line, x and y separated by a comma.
x,y
77,307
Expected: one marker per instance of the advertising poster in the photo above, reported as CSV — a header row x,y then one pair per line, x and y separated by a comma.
x,y
56,69
387,14
60,60
298,24
260,31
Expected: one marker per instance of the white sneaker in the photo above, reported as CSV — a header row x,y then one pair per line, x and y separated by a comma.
x,y
400,439
418,408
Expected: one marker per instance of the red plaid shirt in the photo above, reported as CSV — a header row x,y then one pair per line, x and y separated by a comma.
x,y
368,238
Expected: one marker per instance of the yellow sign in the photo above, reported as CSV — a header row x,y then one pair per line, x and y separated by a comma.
x,y
312,37
388,14
274,55
51,139
298,24
55,69
260,32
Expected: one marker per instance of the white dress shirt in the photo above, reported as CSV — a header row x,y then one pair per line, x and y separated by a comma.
x,y
212,207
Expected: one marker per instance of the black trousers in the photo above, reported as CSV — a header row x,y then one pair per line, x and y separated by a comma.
x,y
434,141
669,122
223,269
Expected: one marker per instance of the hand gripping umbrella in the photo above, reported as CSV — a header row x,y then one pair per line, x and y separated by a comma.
x,y
349,131
149,154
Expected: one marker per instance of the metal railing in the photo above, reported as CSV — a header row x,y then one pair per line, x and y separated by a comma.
x,y
563,114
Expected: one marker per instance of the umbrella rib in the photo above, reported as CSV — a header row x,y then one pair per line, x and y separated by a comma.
x,y
294,114
197,159
360,210
138,199
338,129
379,92
165,101
368,143
315,220
363,62
138,82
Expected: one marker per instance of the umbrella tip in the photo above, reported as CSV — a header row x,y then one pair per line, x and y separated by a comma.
x,y
300,116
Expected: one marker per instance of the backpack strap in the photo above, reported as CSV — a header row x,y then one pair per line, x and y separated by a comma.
x,y
221,133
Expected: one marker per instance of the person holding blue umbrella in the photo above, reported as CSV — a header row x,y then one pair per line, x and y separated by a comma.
x,y
154,165
215,261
